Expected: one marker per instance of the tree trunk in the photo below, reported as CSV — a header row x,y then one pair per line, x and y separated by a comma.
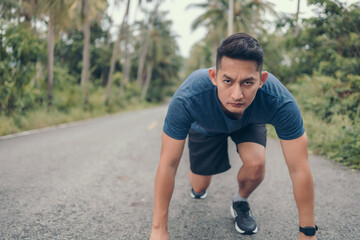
x,y
36,80
230,17
127,60
258,19
147,81
128,57
213,53
114,57
111,71
107,47
50,60
297,19
102,77
144,48
86,54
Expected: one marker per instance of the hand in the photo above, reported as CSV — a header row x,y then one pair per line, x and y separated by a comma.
x,y
159,234
304,237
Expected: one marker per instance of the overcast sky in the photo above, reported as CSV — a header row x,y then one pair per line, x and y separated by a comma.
x,y
183,18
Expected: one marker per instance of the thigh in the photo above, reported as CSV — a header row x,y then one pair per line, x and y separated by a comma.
x,y
208,154
251,143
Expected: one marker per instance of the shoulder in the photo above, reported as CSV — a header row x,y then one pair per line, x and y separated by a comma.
x,y
286,117
196,83
195,91
275,88
272,96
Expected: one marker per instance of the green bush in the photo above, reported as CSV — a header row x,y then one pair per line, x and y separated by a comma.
x,y
20,50
331,111
345,148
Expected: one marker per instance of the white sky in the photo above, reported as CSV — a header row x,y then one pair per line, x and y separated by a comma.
x,y
183,18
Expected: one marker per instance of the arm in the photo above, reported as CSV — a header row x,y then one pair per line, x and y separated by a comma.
x,y
171,151
296,156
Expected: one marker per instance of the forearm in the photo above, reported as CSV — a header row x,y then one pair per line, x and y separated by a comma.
x,y
303,188
164,186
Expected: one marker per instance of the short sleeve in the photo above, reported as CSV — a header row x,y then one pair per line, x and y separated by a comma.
x,y
178,120
288,121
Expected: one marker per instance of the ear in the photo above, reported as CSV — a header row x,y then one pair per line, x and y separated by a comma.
x,y
212,75
263,77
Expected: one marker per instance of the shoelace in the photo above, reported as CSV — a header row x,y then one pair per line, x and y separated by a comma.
x,y
242,207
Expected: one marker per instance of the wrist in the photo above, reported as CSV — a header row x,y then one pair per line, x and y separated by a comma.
x,y
308,230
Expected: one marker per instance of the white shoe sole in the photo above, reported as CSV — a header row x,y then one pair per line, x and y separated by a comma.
x,y
202,197
233,214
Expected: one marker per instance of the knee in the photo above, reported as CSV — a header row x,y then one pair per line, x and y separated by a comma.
x,y
255,169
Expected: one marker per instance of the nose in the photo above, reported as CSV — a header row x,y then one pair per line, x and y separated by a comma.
x,y
237,94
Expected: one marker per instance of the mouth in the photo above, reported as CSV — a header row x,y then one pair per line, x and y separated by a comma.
x,y
237,105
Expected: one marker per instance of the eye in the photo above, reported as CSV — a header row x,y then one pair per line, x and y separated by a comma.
x,y
248,83
227,81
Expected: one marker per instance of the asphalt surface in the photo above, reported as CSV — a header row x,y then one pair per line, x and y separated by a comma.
x,y
94,180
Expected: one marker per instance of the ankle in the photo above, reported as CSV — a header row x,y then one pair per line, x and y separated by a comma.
x,y
238,198
199,190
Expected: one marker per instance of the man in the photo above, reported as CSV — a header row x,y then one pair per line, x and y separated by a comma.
x,y
236,99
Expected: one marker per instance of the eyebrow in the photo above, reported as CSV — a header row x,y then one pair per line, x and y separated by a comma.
x,y
246,79
226,76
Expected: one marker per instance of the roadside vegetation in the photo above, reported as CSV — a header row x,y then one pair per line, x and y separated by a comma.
x,y
66,60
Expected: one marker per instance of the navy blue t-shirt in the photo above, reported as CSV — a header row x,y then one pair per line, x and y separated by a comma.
x,y
195,105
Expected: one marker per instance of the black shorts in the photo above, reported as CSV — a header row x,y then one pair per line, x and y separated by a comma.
x,y
209,154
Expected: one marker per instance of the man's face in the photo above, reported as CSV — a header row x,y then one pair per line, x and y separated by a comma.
x,y
237,82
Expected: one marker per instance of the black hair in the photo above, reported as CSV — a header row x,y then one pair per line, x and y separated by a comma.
x,y
241,46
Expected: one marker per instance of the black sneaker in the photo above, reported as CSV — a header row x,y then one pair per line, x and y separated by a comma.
x,y
244,222
195,195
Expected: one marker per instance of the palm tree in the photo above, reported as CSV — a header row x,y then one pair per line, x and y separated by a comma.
x,y
216,18
127,55
10,9
57,12
90,10
144,47
230,17
147,80
200,56
116,53
107,47
86,54
297,19
258,8
161,57
50,58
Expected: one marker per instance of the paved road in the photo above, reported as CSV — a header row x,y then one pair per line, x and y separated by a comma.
x,y
94,180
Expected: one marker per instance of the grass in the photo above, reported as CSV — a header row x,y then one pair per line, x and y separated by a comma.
x,y
330,139
68,107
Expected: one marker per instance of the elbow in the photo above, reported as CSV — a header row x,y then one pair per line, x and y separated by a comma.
x,y
168,165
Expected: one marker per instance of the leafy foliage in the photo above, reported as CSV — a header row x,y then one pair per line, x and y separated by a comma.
x,y
164,51
319,63
328,52
19,51
24,61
